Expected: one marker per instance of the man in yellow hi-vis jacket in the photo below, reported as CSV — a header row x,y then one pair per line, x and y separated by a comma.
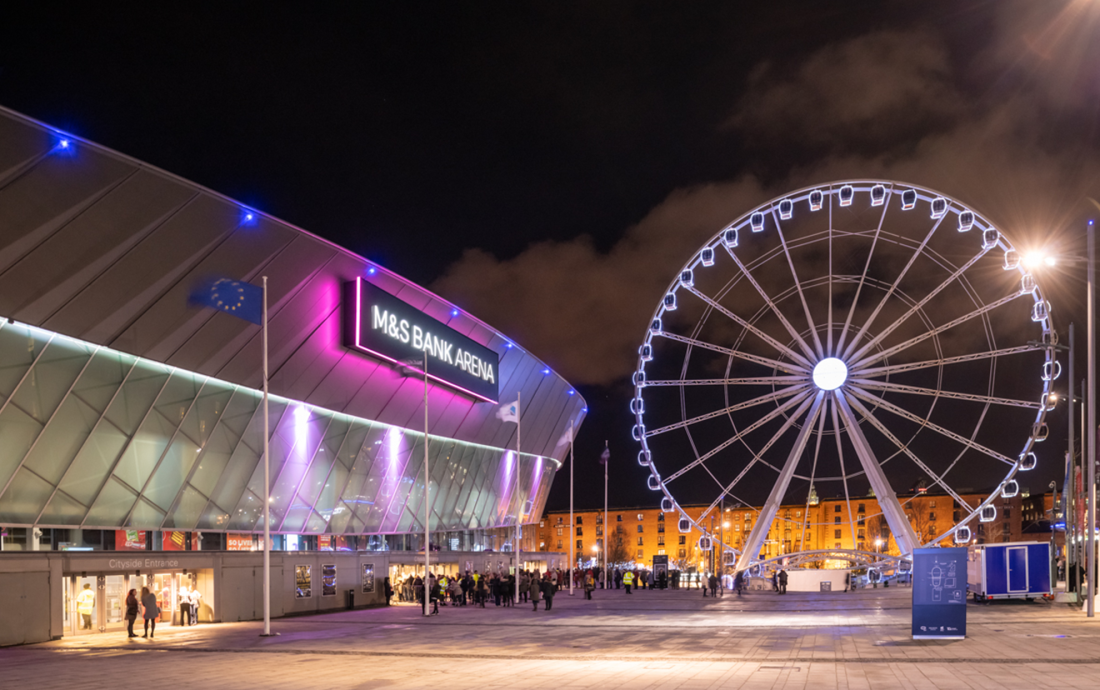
x,y
85,603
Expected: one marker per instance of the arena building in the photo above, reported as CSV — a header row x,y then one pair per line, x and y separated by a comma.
x,y
130,410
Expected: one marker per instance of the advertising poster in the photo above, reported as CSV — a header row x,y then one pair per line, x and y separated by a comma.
x,y
324,542
129,540
368,578
303,581
174,541
328,580
238,542
939,594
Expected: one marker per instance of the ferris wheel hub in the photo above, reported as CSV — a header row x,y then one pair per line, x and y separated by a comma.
x,y
830,374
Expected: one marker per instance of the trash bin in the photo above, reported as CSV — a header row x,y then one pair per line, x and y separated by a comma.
x,y
350,599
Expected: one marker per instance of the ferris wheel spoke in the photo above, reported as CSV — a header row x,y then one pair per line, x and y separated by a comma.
x,y
868,384
771,506
799,398
798,285
938,479
813,474
985,309
887,499
885,333
757,359
863,276
890,292
924,364
770,397
752,329
843,472
747,381
771,305
920,421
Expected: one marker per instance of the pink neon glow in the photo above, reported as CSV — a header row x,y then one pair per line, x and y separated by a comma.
x,y
362,348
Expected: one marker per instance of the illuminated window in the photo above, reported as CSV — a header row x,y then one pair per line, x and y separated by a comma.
x,y
560,530
683,539
641,529
660,540
640,541
861,508
640,516
641,554
683,553
580,545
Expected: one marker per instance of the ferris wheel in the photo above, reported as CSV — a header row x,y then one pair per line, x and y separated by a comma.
x,y
851,340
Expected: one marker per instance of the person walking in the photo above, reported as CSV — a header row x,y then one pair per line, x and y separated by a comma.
x,y
131,612
627,580
589,585
775,581
185,605
548,588
533,590
152,611
739,581
782,577
481,593
85,604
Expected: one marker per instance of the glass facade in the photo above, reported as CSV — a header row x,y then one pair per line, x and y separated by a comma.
x,y
96,438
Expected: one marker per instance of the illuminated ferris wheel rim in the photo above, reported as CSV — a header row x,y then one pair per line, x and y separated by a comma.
x,y
811,372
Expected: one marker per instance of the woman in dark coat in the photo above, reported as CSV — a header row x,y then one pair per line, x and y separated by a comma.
x,y
533,588
131,612
152,611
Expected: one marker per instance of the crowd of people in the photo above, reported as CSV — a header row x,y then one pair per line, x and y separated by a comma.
x,y
478,589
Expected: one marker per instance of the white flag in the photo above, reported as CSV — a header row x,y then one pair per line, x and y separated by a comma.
x,y
566,438
509,412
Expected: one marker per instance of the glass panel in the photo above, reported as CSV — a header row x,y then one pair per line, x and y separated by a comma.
x,y
19,346
240,409
94,462
102,377
18,431
248,513
146,516
213,459
172,472
62,438
25,498
203,416
141,456
315,525
42,390
298,438
63,510
136,397
112,506
326,503
177,396
214,518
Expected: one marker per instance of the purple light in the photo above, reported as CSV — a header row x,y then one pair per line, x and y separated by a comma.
x,y
371,271
508,345
454,312
572,392
584,409
545,371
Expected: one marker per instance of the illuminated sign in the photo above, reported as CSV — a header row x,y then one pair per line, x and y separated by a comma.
x,y
384,326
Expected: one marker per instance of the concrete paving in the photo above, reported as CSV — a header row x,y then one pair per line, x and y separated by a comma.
x,y
663,639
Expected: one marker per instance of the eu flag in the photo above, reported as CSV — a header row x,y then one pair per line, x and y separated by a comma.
x,y
242,300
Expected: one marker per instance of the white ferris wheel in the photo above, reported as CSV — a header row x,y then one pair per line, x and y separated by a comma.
x,y
853,339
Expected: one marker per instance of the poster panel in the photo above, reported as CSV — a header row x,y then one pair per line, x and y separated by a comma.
x,y
939,594
328,580
368,578
303,581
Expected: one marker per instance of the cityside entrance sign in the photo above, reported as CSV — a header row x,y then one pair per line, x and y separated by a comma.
x,y
385,326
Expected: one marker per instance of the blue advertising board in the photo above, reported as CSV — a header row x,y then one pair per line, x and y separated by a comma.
x,y
939,594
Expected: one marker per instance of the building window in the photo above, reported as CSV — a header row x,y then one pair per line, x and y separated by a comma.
x,y
640,543
560,520
560,531
640,529
559,545
836,508
640,516
861,508
683,553
618,518
859,534
660,552
836,534
580,519
599,519
859,520
862,546
683,540
837,545
660,540
660,517
836,520
931,504
542,523
736,528
798,514
580,531
661,528
580,545
641,554
932,516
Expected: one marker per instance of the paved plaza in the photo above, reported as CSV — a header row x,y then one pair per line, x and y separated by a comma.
x,y
663,639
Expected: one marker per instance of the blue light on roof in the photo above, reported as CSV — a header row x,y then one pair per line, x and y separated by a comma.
x,y
545,371
454,312
508,345
64,143
370,271
584,409
572,392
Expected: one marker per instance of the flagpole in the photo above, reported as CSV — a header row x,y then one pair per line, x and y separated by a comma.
x,y
267,483
427,507
606,527
519,507
572,560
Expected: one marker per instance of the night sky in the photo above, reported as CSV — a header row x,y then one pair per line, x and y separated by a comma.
x,y
550,166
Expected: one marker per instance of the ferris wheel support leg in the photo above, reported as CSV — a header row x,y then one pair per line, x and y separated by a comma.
x,y
771,506
887,499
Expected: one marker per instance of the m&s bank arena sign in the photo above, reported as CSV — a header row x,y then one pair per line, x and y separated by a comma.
x,y
384,326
